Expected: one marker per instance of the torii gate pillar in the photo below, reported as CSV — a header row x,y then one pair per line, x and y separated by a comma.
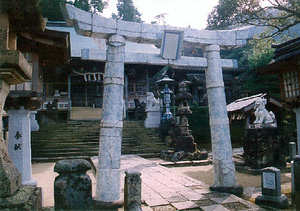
x,y
224,168
109,159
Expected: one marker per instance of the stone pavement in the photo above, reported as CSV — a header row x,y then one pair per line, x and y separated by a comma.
x,y
164,189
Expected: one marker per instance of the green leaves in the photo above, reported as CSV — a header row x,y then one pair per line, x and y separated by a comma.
x,y
127,12
279,15
51,8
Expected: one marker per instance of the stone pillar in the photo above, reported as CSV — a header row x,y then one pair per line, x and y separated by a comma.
x,y
293,150
73,187
133,191
19,146
297,111
296,173
108,170
33,122
224,168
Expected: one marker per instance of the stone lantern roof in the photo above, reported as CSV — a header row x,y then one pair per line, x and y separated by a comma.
x,y
24,15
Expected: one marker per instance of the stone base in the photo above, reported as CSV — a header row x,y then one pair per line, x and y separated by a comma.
x,y
27,198
32,182
109,206
236,190
264,148
153,117
272,201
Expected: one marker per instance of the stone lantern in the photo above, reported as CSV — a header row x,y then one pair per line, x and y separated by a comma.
x,y
167,92
167,101
185,141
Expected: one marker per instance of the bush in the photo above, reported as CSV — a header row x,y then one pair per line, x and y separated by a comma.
x,y
199,125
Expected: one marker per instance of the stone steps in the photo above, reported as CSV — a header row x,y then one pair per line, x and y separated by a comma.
x,y
75,139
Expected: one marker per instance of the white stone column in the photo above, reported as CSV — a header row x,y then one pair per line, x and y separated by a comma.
x,y
108,174
224,168
297,111
19,143
34,124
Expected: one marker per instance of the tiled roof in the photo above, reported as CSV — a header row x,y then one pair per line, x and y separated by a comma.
x,y
246,103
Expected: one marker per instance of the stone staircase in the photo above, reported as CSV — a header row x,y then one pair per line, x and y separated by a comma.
x,y
80,139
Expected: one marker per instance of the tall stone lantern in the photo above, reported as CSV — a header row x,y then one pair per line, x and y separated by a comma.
x,y
186,141
167,93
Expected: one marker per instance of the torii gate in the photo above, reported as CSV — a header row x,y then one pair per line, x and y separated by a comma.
x,y
117,32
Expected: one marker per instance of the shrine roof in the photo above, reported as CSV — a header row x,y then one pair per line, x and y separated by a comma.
x,y
286,54
286,49
248,103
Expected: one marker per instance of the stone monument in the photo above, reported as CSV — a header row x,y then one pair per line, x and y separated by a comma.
x,y
271,189
19,143
262,145
153,111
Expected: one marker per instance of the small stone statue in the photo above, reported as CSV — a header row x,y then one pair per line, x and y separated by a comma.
x,y
151,100
261,113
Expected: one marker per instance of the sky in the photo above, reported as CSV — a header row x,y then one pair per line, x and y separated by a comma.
x,y
182,13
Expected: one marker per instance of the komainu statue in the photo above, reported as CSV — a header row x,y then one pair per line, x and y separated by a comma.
x,y
151,100
261,113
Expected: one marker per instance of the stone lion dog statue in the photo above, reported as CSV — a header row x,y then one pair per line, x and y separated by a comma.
x,y
261,113
151,100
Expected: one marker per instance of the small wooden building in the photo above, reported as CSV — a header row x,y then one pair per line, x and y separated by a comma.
x,y
244,108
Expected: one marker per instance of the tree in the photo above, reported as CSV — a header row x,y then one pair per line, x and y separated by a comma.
x,y
51,8
280,15
256,54
91,5
127,12
222,15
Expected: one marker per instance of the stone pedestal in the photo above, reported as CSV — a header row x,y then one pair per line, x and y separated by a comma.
x,y
108,173
224,168
263,148
19,143
73,187
153,117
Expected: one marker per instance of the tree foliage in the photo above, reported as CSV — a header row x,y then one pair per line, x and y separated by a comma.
x,y
280,15
127,12
90,6
51,8
257,54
